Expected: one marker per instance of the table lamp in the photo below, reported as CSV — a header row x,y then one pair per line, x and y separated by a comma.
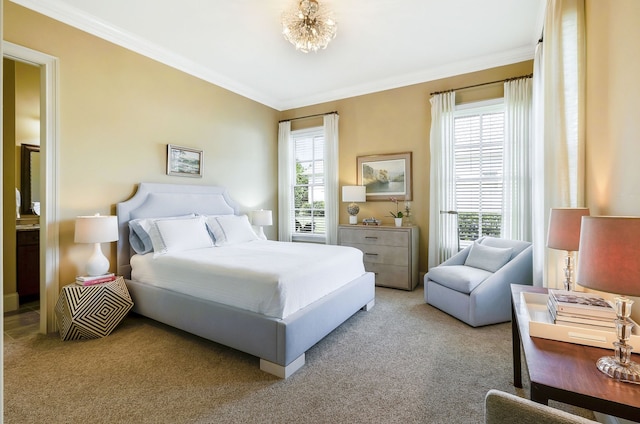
x,y
96,229
564,234
261,218
354,194
610,261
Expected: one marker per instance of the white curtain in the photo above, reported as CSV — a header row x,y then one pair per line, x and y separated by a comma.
x,y
443,225
286,178
517,169
559,161
331,176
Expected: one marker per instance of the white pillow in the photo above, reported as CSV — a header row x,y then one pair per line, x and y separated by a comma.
x,y
488,258
139,238
176,235
231,229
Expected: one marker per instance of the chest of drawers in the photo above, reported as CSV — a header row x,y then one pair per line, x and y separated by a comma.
x,y
389,252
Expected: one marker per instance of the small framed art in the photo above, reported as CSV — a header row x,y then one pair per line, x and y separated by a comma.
x,y
385,176
184,161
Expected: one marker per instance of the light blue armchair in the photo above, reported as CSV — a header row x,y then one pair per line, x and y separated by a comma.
x,y
473,285
505,408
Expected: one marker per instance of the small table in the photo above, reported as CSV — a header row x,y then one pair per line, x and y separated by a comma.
x,y
567,372
91,312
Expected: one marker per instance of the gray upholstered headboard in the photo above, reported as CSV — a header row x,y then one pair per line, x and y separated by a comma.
x,y
154,200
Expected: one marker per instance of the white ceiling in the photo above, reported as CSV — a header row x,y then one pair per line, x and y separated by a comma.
x,y
381,44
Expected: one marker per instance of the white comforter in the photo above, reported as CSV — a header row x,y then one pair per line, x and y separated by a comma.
x,y
268,277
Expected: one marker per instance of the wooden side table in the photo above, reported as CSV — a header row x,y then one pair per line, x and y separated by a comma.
x,y
567,372
91,312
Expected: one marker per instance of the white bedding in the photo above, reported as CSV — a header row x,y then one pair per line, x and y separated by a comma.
x,y
268,277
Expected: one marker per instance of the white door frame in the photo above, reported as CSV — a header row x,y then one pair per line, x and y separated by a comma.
x,y
49,177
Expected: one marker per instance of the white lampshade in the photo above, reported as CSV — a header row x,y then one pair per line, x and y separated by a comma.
x,y
610,254
564,228
354,194
261,218
96,229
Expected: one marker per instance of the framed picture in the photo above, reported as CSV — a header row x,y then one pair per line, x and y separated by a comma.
x,y
386,176
183,161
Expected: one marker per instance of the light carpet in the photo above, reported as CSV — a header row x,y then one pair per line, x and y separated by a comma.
x,y
402,362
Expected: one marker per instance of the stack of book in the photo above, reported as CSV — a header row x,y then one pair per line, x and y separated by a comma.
x,y
98,279
580,309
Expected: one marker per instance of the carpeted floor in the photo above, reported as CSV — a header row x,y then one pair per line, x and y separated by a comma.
x,y
402,362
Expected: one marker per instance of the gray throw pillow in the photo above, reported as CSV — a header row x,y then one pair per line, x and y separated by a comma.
x,y
488,258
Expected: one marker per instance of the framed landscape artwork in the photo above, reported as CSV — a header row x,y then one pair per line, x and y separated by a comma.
x,y
183,161
386,176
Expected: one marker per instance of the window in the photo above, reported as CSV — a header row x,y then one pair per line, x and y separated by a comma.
x,y
478,147
309,187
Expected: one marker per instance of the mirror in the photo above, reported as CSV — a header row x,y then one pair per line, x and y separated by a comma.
x,y
29,177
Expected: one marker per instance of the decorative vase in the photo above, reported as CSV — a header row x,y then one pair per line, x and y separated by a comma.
x,y
398,222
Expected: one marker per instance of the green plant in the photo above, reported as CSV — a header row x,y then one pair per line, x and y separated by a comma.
x,y
398,213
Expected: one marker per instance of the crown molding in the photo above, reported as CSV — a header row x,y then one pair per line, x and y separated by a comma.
x,y
432,74
90,24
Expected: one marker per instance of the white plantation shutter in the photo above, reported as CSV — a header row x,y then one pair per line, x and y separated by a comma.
x,y
308,217
478,152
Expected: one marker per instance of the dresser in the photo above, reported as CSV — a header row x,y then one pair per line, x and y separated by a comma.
x,y
389,252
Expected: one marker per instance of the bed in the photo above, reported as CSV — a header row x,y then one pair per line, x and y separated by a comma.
x,y
278,335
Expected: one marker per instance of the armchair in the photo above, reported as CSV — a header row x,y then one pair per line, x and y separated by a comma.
x,y
505,408
474,287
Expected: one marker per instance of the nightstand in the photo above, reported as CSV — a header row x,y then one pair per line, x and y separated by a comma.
x,y
389,252
91,312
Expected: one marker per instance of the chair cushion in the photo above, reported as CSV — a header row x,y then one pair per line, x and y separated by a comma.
x,y
458,277
517,245
488,258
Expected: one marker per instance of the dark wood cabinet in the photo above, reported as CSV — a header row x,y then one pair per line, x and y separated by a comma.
x,y
28,264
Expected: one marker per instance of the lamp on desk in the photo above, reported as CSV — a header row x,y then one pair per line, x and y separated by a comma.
x,y
354,194
96,229
261,218
610,261
564,234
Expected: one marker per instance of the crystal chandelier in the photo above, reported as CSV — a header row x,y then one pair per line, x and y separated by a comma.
x,y
307,28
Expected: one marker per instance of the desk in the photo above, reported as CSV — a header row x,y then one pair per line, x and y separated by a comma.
x,y
567,372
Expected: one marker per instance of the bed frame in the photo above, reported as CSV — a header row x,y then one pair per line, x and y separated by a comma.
x,y
279,343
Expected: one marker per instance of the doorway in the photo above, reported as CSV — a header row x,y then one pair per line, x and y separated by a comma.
x,y
48,178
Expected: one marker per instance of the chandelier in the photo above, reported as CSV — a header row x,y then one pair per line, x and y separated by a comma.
x,y
307,28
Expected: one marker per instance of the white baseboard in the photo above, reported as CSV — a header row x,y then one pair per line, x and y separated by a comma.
x,y
11,302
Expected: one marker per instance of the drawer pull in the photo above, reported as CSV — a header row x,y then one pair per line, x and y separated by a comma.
x,y
371,237
371,254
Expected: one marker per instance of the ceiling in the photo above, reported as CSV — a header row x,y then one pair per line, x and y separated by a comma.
x,y
381,44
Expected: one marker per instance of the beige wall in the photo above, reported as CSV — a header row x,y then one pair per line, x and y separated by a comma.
x,y
612,112
397,121
119,110
9,184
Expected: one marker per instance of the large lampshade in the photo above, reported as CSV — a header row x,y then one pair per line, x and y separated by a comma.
x,y
96,229
610,262
610,254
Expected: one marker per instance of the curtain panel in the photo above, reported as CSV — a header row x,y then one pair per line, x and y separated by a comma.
x,y
286,178
331,177
559,134
517,167
443,220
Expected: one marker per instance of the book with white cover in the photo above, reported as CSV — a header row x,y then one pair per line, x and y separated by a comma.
x,y
580,303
